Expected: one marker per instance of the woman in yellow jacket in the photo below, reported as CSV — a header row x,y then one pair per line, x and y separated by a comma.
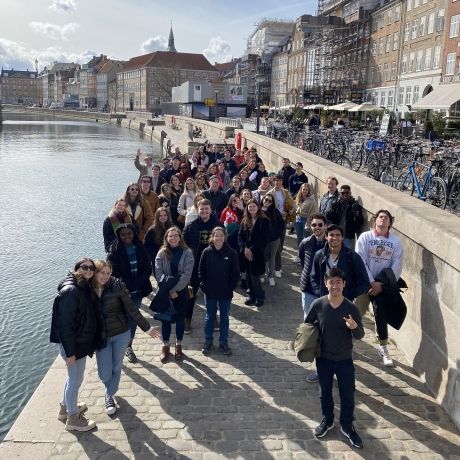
x,y
138,209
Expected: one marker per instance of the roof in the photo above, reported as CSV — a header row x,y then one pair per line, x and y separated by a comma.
x,y
18,73
441,98
225,66
167,59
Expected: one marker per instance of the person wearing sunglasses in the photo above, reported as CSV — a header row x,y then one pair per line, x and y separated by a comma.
x,y
73,327
138,209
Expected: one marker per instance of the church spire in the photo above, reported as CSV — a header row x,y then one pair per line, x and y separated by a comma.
x,y
171,46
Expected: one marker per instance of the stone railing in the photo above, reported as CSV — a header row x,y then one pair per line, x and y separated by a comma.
x,y
209,129
430,336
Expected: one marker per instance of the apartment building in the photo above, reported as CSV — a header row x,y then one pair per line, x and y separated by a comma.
x,y
106,74
19,87
384,56
279,69
55,79
421,55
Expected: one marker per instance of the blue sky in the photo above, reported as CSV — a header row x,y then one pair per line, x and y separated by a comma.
x,y
74,30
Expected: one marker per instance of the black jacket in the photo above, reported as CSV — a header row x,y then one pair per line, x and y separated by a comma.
x,y
286,172
390,299
326,206
74,321
276,227
192,233
121,268
256,239
218,272
356,278
115,307
218,201
350,213
307,249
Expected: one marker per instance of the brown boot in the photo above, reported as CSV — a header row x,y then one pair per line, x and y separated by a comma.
x,y
164,353
178,353
188,326
62,416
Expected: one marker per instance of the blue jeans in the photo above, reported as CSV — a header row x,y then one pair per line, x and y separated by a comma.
x,y
307,300
166,330
300,229
345,372
211,310
132,322
110,361
75,374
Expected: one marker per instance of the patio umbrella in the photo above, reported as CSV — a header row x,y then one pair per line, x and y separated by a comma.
x,y
365,107
347,105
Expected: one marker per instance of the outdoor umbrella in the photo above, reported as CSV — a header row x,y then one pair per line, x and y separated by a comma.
x,y
365,107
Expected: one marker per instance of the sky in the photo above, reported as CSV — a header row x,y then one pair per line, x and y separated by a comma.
x,y
75,30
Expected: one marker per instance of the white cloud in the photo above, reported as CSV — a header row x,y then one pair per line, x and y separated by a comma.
x,y
21,57
158,43
218,50
68,6
54,31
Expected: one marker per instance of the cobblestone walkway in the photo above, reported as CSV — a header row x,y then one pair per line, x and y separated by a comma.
x,y
256,404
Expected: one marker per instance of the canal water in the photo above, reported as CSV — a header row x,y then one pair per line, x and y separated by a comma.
x,y
58,181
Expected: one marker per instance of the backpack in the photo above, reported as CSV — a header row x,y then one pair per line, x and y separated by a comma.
x,y
54,332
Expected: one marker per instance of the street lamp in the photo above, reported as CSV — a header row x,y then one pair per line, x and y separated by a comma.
x,y
215,105
260,78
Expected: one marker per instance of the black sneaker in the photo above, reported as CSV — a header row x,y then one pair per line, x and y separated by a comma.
x,y
259,303
352,436
129,353
244,284
110,405
207,347
323,428
225,349
249,301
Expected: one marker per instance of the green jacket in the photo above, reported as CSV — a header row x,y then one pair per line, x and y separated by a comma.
x,y
307,343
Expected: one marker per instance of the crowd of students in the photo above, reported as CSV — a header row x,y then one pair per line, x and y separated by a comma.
x,y
211,221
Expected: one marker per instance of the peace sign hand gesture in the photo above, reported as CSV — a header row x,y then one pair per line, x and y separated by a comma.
x,y
350,322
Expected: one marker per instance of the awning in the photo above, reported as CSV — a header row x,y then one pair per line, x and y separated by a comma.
x,y
441,98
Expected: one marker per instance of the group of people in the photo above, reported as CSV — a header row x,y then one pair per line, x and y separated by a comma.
x,y
209,222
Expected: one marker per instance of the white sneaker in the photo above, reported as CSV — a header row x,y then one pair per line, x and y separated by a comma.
x,y
271,281
262,279
110,405
278,273
385,355
297,260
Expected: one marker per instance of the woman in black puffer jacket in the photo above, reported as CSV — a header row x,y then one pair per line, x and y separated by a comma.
x,y
73,327
115,309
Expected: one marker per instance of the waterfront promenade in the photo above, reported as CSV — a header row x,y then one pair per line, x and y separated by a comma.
x,y
254,404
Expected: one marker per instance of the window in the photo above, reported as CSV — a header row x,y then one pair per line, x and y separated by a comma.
x,y
407,31
414,29
418,65
389,16
383,96
381,44
454,25
450,63
404,64
408,95
379,75
428,58
430,23
397,15
390,98
422,25
416,3
436,57
409,5
411,61
395,40
371,75
393,70
385,71
374,48
440,21
381,21
401,96
387,43
415,95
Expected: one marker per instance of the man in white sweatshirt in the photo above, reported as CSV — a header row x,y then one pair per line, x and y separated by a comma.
x,y
379,249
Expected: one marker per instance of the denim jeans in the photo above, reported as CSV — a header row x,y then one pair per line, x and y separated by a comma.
x,y
279,251
307,300
270,256
75,374
381,325
211,310
110,361
345,372
166,330
132,322
300,229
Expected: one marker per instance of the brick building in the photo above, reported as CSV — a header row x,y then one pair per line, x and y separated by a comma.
x,y
19,87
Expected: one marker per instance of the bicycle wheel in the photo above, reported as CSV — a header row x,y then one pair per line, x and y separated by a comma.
x,y
373,167
344,161
357,159
454,197
387,176
405,182
437,193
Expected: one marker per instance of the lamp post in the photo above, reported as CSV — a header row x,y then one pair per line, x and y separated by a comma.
x,y
215,105
259,79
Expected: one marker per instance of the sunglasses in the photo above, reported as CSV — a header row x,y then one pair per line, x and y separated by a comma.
x,y
86,268
345,192
132,189
267,200
317,225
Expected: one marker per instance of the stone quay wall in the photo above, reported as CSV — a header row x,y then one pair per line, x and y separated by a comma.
x,y
430,336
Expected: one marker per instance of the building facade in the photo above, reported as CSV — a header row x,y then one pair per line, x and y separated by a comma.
x,y
19,87
54,81
107,73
